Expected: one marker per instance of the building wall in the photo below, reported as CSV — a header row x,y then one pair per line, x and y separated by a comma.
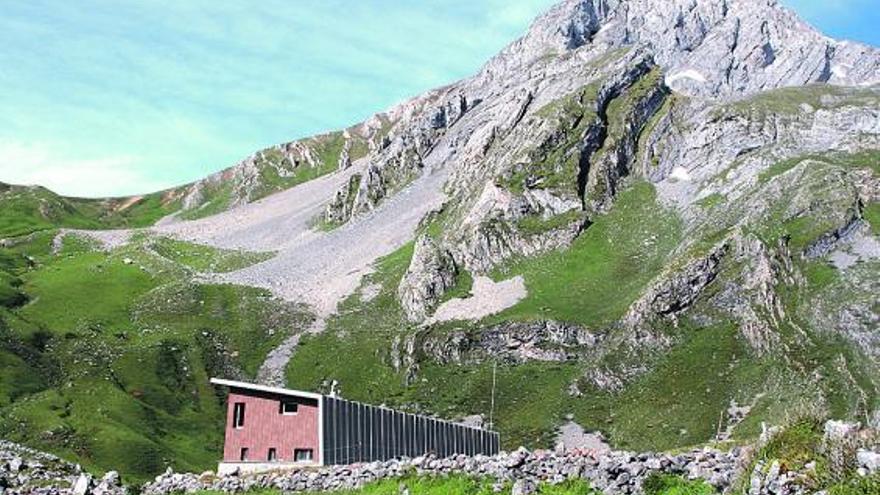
x,y
265,427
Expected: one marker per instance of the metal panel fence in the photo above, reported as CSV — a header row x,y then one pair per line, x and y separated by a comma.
x,y
355,432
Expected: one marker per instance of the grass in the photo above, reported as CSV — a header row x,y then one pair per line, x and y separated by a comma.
x,y
712,201
450,485
797,445
533,225
24,210
779,168
665,484
676,403
801,442
276,173
802,221
203,258
680,400
11,295
555,164
789,101
871,214
595,280
869,485
108,363
355,346
216,198
356,350
464,282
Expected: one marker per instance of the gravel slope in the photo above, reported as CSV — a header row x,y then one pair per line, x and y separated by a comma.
x,y
318,268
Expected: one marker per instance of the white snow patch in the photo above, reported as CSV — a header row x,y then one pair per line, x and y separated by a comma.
x,y
686,74
680,173
487,298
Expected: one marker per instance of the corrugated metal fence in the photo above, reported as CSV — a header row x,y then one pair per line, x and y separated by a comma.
x,y
355,432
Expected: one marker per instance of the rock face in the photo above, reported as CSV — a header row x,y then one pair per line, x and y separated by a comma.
x,y
432,272
710,48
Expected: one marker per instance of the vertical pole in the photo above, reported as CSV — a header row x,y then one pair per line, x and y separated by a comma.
x,y
492,406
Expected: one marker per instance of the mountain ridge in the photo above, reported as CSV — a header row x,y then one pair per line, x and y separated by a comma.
x,y
567,26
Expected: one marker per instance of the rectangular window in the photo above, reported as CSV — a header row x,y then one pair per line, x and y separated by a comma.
x,y
302,455
273,455
244,454
238,415
289,408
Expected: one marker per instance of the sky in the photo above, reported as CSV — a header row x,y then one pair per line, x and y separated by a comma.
x,y
118,97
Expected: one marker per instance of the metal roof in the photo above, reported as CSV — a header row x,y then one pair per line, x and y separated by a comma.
x,y
264,388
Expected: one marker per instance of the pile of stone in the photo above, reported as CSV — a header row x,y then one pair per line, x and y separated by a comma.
x,y
27,471
613,472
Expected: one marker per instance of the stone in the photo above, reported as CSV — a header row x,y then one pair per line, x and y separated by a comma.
x,y
15,464
111,478
836,431
868,460
82,485
523,487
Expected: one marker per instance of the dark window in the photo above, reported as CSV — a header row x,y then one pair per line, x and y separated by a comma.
x,y
302,455
238,415
244,454
289,407
273,455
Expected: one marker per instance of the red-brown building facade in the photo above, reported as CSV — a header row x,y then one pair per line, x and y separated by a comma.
x,y
270,427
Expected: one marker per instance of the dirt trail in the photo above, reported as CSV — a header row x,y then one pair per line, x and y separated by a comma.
x,y
272,371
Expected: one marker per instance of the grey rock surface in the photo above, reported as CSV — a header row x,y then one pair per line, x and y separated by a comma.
x,y
25,471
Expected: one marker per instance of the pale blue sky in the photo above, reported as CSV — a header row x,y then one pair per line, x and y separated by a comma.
x,y
110,97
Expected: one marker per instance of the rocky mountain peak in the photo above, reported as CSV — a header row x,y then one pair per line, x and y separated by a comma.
x,y
707,47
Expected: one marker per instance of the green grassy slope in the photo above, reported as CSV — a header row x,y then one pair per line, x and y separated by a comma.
x,y
25,209
108,362
605,269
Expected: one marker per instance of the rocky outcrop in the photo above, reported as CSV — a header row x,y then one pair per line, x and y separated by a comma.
x,y
431,272
511,342
623,119
676,291
26,471
707,48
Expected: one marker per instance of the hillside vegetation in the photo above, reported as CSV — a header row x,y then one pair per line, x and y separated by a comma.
x,y
107,355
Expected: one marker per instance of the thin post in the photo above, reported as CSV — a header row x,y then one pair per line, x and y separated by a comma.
x,y
492,402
